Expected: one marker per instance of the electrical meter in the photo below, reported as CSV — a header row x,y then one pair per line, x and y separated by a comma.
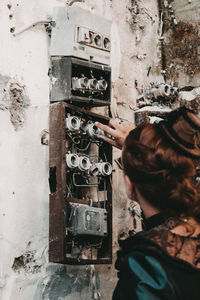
x,y
80,33
80,56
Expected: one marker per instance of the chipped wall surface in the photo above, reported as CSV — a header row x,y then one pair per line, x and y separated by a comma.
x,y
25,273
180,41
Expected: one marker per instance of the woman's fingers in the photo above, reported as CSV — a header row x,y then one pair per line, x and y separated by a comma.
x,y
115,123
107,129
118,129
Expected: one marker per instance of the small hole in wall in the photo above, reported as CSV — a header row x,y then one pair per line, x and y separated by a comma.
x,y
52,179
12,29
9,6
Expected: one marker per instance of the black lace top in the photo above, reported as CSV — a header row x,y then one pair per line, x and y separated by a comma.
x,y
186,248
158,264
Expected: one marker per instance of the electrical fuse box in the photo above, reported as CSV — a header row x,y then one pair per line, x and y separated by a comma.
x,y
80,185
78,81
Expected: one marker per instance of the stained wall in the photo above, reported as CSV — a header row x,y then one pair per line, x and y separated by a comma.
x,y
136,60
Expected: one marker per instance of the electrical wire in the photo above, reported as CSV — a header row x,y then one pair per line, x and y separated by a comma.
x,y
97,246
98,196
23,29
85,149
107,161
72,139
104,193
75,143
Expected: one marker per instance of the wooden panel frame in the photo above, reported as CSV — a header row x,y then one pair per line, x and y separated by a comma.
x,y
57,198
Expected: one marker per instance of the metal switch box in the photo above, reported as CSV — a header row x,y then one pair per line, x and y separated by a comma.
x,y
75,80
86,220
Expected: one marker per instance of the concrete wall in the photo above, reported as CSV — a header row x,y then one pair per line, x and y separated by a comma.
x,y
25,273
181,52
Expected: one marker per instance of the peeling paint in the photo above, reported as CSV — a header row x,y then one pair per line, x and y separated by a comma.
x,y
68,282
138,17
24,262
18,104
14,100
4,92
180,39
27,262
181,50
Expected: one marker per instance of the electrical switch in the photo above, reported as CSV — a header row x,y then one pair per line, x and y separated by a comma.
x,y
83,35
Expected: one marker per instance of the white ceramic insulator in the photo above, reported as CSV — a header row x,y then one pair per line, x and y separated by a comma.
x,y
83,82
84,163
98,40
93,131
104,169
164,90
167,90
102,85
73,123
92,84
106,43
72,160
94,170
80,83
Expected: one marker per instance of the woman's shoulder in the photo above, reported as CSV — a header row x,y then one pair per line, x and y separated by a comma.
x,y
146,269
161,241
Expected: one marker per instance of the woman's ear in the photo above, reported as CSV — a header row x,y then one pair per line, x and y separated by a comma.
x,y
130,187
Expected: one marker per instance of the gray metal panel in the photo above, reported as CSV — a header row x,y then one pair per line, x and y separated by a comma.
x,y
62,36
61,81
79,223
61,77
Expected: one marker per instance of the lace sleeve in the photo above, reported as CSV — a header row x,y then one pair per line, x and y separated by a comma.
x,y
185,248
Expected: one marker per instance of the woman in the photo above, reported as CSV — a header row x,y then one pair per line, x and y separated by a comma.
x,y
163,261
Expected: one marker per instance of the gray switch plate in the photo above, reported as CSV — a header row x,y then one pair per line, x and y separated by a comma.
x,y
87,220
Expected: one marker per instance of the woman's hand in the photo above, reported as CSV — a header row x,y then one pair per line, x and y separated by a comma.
x,y
116,130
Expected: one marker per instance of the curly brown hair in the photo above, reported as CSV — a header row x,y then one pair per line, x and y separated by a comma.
x,y
163,176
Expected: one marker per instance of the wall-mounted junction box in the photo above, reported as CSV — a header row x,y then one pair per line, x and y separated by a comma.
x,y
75,80
80,33
80,184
